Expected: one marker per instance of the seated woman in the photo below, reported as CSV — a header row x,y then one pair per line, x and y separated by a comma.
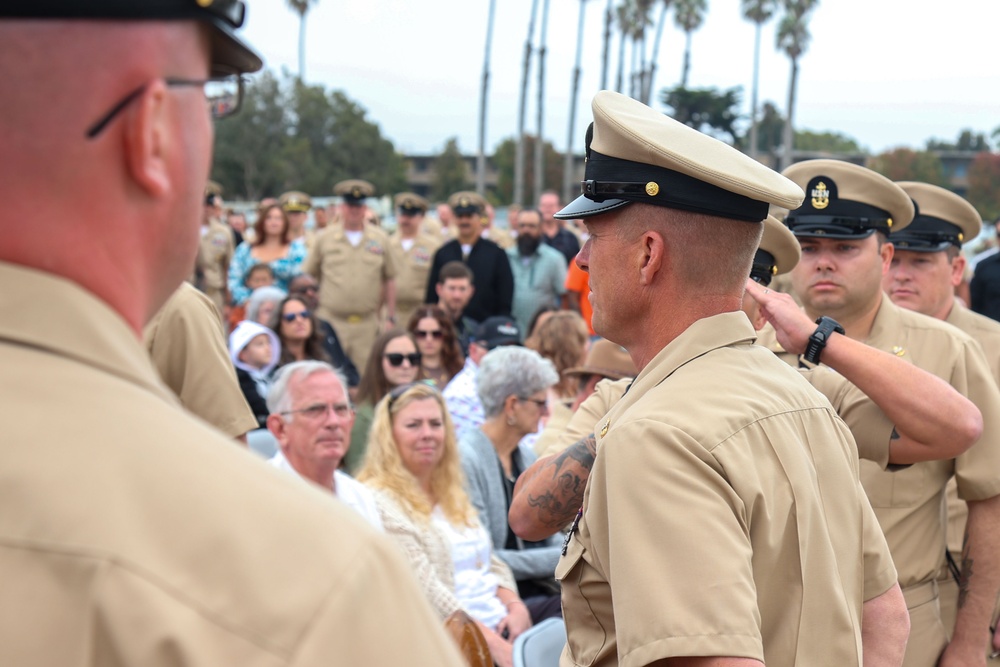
x,y
513,384
394,361
563,338
302,338
441,355
413,466
262,304
271,245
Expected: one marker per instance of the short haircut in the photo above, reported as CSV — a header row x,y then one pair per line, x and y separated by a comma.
x,y
455,269
258,268
512,371
279,398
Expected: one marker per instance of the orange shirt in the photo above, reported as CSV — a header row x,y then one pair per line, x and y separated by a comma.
x,y
578,280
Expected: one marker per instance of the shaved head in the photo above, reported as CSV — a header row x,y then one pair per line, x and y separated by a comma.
x,y
117,214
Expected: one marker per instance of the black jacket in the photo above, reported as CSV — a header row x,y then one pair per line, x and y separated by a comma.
x,y
493,280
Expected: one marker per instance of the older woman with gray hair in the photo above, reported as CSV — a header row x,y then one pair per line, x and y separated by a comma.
x,y
262,302
513,385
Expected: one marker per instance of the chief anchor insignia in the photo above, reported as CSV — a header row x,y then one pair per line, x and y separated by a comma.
x,y
820,196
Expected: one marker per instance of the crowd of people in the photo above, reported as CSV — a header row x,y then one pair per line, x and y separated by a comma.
x,y
608,413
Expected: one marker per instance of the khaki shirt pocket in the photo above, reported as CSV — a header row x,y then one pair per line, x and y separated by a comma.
x,y
580,582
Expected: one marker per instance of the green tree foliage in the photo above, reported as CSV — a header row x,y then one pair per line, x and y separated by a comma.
x,y
906,164
769,128
707,110
830,142
967,141
450,173
984,184
503,161
290,136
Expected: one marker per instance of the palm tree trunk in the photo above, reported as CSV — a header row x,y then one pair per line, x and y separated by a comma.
x,y
540,139
687,60
302,47
753,103
620,82
522,110
656,51
788,136
573,97
481,156
606,54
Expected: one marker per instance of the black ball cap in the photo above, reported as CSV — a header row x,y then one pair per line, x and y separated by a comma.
x,y
229,53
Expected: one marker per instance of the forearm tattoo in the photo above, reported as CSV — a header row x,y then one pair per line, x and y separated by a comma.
x,y
966,576
558,505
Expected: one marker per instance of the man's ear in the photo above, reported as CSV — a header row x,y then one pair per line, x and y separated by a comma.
x,y
653,254
148,140
278,427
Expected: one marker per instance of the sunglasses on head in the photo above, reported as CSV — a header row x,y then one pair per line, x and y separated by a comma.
x,y
422,333
397,358
290,317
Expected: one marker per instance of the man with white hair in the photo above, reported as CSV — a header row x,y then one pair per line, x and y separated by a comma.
x,y
311,418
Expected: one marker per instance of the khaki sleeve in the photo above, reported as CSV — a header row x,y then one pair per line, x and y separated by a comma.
x,y
581,424
870,427
311,264
977,471
880,571
188,348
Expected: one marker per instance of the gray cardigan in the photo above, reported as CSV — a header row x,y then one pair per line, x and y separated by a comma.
x,y
483,481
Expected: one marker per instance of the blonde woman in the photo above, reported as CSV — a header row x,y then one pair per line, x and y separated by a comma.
x,y
413,467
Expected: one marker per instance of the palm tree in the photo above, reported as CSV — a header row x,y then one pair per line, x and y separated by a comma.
x,y
606,52
573,97
522,109
641,23
539,145
689,15
301,7
648,92
758,12
793,39
623,14
481,156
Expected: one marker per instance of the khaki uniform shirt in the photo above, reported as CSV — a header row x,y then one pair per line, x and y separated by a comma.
x,y
909,502
986,332
351,279
131,534
413,267
187,344
215,250
723,515
499,236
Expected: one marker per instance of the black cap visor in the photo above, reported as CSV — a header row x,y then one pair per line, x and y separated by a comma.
x,y
583,207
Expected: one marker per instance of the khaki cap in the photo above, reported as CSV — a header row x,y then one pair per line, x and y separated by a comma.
x,y
410,203
636,154
942,219
846,201
295,202
466,203
354,190
607,359
778,252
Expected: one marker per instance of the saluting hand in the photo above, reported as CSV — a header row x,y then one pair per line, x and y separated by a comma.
x,y
792,326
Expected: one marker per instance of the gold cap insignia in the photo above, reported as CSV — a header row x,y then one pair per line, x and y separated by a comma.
x,y
204,3
820,196
652,188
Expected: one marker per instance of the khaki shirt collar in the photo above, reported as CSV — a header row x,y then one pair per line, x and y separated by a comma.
x,y
53,315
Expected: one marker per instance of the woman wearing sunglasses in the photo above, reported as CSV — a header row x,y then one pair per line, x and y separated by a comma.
x,y
394,361
297,331
441,356
413,467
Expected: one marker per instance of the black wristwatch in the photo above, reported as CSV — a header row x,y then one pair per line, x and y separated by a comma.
x,y
820,337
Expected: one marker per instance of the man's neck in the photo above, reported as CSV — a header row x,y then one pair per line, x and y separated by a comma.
x,y
945,309
857,324
468,240
551,228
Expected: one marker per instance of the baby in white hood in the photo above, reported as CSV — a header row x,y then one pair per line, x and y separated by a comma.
x,y
255,351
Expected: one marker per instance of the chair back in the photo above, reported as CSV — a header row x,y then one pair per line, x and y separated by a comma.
x,y
541,644
470,639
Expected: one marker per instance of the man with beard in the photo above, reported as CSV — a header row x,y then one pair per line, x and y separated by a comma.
x,y
539,269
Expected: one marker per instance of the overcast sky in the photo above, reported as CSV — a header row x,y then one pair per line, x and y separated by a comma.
x,y
886,73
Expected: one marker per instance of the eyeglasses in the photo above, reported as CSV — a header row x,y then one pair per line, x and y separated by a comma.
x,y
542,403
397,359
223,94
422,333
322,411
291,317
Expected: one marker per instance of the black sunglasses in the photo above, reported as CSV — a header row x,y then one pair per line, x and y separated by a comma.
x,y
397,358
304,314
421,333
